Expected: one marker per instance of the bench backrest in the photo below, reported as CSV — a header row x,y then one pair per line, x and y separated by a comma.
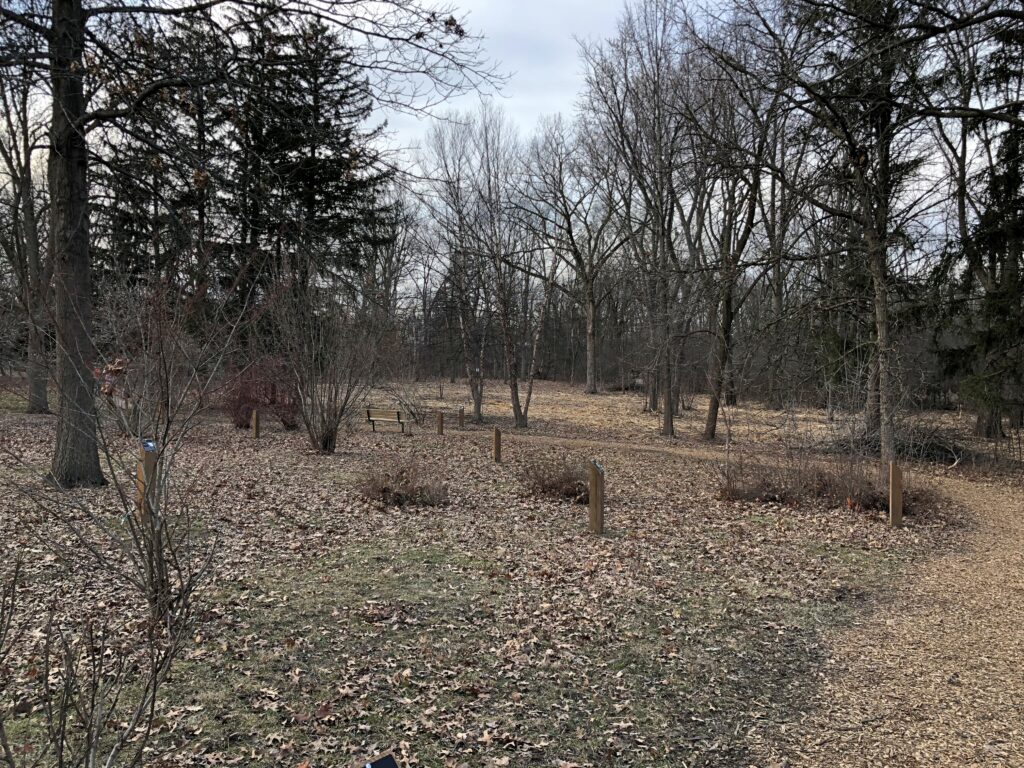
x,y
380,414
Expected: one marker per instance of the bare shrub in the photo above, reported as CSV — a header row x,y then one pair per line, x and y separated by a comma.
x,y
914,442
557,477
332,353
408,399
102,665
797,477
265,384
93,698
402,484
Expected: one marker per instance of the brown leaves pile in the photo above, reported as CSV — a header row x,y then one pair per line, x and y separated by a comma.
x,y
348,619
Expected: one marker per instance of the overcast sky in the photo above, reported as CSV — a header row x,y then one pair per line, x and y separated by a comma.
x,y
533,42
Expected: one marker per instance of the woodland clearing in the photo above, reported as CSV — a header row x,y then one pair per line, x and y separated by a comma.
x,y
496,631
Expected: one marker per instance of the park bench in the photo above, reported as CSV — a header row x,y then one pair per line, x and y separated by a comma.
x,y
373,415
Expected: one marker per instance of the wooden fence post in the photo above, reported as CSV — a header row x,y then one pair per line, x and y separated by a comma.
x,y
497,445
145,477
255,422
462,417
440,422
895,495
596,498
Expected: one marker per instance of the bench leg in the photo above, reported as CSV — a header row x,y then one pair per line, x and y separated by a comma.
x,y
373,425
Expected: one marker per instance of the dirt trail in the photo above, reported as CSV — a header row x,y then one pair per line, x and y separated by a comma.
x,y
932,673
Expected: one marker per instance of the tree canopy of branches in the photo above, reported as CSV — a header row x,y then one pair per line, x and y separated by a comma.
x,y
801,202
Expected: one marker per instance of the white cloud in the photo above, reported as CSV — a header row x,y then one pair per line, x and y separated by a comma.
x,y
534,42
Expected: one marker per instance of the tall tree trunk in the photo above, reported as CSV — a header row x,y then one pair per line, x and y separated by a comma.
x,y
473,348
677,397
75,458
517,409
872,415
476,392
38,373
35,292
886,403
731,397
990,423
668,412
509,344
538,332
719,363
474,374
590,309
511,366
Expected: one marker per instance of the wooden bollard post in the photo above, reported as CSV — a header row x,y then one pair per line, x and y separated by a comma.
x,y
462,417
596,498
440,423
895,495
497,445
255,422
145,477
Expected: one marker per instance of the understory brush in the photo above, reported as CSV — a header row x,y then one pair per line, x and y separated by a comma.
x,y
402,483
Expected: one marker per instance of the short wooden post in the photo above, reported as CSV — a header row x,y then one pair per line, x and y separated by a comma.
x,y
596,498
255,422
462,417
145,477
440,422
895,495
497,445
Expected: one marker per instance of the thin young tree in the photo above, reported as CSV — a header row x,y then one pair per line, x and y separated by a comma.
x,y
447,195
23,241
570,195
630,90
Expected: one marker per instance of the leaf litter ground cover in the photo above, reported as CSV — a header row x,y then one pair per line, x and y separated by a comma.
x,y
495,630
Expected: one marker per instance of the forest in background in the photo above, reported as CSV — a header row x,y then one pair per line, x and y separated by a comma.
x,y
807,213
809,203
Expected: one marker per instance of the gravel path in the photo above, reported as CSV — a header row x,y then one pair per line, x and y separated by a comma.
x,y
931,675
